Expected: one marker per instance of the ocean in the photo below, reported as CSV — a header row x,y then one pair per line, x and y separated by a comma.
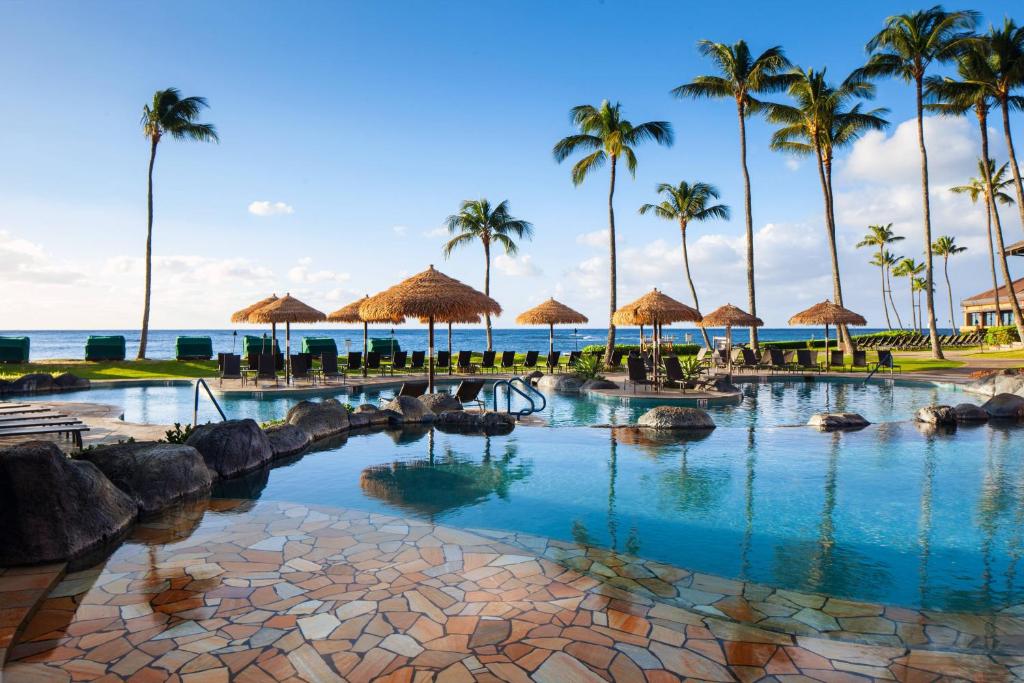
x,y
70,344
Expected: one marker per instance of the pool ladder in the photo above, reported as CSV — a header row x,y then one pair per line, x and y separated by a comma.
x,y
527,392
195,402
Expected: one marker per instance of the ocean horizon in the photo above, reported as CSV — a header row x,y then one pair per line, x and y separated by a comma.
x,y
70,344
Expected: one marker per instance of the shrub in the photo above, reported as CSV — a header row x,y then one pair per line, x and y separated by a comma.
x,y
178,434
1006,334
678,349
587,367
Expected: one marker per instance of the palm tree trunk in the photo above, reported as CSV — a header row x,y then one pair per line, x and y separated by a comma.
x,y
1018,321
144,335
933,333
991,252
885,305
1013,162
748,215
842,330
609,348
949,289
487,291
913,304
689,279
896,311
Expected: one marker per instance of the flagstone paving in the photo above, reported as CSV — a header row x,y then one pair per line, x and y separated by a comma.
x,y
266,592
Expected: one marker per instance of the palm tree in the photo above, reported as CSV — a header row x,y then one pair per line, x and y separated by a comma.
x,y
905,48
741,76
887,261
476,220
1006,47
946,246
918,285
820,122
607,137
976,189
910,269
684,203
174,115
977,89
881,236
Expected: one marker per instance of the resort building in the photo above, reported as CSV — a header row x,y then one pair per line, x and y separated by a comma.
x,y
980,310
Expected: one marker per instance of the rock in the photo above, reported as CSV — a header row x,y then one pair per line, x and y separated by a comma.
x,y
359,420
69,382
936,415
968,412
1008,381
287,439
676,417
828,422
717,383
155,475
32,383
1005,406
366,408
385,417
410,409
595,384
532,377
319,419
53,508
560,384
440,402
463,422
232,447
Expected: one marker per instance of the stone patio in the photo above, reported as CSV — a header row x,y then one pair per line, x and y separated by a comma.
x,y
247,591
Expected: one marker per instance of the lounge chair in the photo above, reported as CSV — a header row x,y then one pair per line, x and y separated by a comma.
x,y
574,358
718,358
329,367
419,358
230,366
552,361
885,360
468,392
702,356
775,360
300,367
616,360
748,360
674,372
487,362
373,362
413,389
508,361
860,361
530,362
807,360
355,361
637,373
266,368
72,431
463,362
444,360
836,358
398,361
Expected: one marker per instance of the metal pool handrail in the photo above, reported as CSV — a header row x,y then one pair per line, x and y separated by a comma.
x,y
195,403
510,387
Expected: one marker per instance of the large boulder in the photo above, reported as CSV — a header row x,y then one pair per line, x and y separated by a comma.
x,y
232,447
32,383
560,384
410,409
359,420
936,415
717,384
676,417
440,402
319,419
1008,381
596,384
968,412
464,422
155,475
1005,407
287,439
69,382
53,508
828,422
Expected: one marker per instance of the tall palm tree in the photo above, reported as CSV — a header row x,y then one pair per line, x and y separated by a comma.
x,y
168,114
688,203
608,137
910,269
820,122
977,89
476,220
976,189
905,48
946,246
740,77
918,285
881,236
1006,47
887,261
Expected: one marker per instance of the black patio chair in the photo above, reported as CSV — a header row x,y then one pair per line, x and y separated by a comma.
x,y
373,362
674,372
468,392
508,360
329,367
419,359
355,361
552,361
837,358
300,367
616,361
230,366
807,360
637,373
413,389
266,368
859,361
487,362
775,360
444,360
530,362
574,358
463,362
886,360
399,360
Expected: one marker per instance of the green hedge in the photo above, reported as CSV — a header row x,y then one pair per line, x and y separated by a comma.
x,y
1007,334
679,349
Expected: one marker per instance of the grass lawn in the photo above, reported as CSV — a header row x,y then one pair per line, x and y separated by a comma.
x,y
1017,353
127,369
918,364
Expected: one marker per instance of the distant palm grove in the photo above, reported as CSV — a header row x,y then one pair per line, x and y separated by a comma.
x,y
819,115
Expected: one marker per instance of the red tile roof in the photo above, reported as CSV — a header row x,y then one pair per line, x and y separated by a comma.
x,y
989,296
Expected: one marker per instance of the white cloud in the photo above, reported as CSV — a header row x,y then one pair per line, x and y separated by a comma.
x,y
265,208
792,164
400,230
597,238
301,273
522,266
25,261
436,232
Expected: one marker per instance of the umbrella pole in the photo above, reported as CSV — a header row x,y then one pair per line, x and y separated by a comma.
x,y
828,356
657,337
728,351
449,348
551,338
366,347
287,353
430,355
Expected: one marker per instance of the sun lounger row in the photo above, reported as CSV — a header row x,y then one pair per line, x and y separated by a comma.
x,y
466,393
25,419
913,341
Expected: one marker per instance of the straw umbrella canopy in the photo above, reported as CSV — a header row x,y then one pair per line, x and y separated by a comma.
x,y
655,308
287,310
350,314
827,313
551,313
431,295
464,320
728,316
244,316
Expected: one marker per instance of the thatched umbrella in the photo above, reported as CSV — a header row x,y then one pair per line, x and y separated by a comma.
x,y
350,314
728,316
287,310
244,316
431,295
465,320
827,313
655,308
550,313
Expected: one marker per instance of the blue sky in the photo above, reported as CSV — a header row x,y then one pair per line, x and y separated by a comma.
x,y
370,122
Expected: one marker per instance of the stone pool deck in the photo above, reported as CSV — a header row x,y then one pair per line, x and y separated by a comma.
x,y
247,591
